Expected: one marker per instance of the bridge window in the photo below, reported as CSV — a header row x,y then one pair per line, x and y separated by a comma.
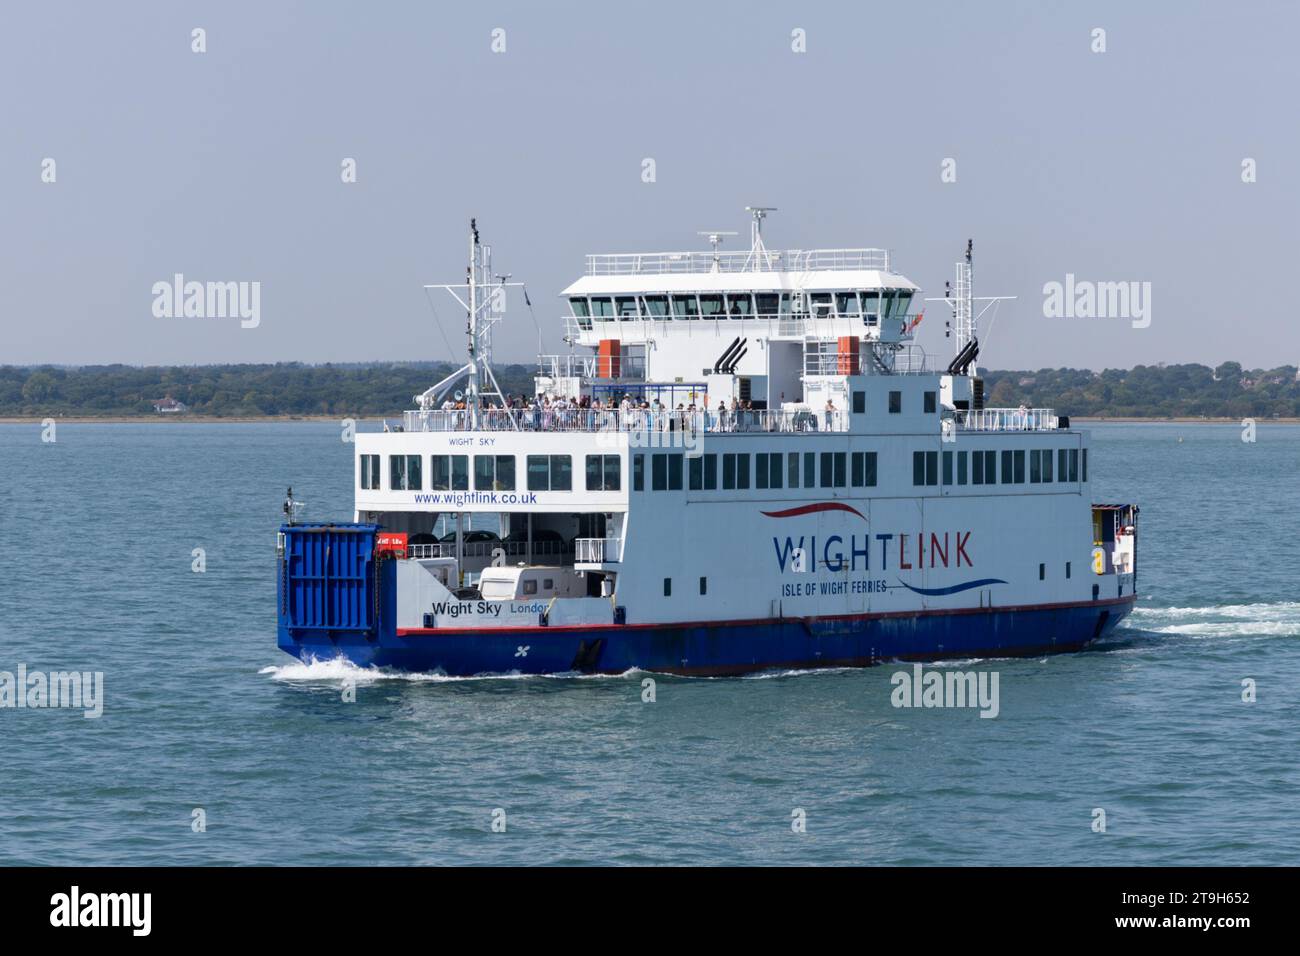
x,y
871,307
626,307
685,307
657,306
494,472
821,305
739,305
711,306
902,301
768,303
550,473
846,303
580,307
370,472
603,473
403,472
449,473
602,307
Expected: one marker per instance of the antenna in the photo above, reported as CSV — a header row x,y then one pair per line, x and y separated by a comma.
x,y
757,251
715,237
962,302
483,303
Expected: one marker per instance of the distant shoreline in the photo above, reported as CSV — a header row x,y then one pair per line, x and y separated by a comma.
x,y
396,418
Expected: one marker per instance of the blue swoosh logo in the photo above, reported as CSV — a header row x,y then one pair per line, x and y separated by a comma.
x,y
955,589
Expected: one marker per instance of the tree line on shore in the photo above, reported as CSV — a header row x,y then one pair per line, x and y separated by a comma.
x,y
378,389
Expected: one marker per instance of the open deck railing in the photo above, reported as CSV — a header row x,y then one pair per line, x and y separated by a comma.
x,y
597,550
788,260
1007,420
637,420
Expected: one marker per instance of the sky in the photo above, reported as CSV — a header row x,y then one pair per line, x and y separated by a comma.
x,y
227,165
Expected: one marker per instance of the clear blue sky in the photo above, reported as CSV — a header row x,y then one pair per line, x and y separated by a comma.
x,y
226,166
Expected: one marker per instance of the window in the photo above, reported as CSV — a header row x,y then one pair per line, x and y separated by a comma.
x,y
846,303
704,585
809,469
1020,467
1035,468
449,473
657,306
767,303
1085,464
695,473
895,402
659,472
828,470
603,473
841,464
767,470
739,305
1047,465
859,402
711,307
1074,464
685,307
668,587
735,471
1067,569
403,472
1062,465
1007,473
792,470
625,306
710,472
370,472
864,469
984,467
947,468
638,472
494,472
579,307
1042,572
930,403
550,473
760,470
602,307
925,467
530,587
674,472
961,467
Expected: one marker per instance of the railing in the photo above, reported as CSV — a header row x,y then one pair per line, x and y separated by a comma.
x,y
1007,419
597,550
638,420
770,324
789,260
485,549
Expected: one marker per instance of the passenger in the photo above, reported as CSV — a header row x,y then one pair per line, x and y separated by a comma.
x,y
830,415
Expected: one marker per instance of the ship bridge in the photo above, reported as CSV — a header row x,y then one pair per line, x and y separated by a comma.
x,y
690,328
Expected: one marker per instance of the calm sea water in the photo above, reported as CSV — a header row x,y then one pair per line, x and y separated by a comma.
x,y
201,710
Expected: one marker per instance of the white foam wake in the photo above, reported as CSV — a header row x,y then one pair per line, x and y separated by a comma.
x,y
1280,619
339,669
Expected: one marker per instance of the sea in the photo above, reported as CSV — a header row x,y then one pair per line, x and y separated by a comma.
x,y
145,553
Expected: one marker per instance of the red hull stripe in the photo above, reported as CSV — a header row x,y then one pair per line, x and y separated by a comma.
x,y
933,612
819,506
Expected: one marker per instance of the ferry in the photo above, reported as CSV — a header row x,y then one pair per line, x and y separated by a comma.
x,y
743,462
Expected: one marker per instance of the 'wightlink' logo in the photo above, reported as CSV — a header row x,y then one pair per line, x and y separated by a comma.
x,y
208,300
1084,299
946,689
79,690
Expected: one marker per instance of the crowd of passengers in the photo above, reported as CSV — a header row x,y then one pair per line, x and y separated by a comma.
x,y
548,413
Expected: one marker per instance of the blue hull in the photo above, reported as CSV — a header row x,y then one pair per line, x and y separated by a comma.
x,y
723,648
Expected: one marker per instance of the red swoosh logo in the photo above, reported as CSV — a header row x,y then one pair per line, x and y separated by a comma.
x,y
810,509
